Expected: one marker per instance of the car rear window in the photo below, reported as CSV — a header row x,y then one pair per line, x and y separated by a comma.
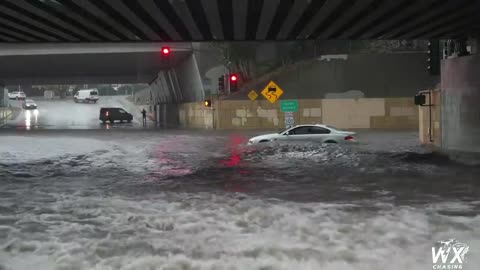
x,y
93,93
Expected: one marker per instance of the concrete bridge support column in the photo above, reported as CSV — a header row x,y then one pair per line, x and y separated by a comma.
x,y
460,123
179,84
5,112
3,96
190,80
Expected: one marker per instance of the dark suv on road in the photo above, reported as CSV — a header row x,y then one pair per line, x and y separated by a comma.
x,y
114,114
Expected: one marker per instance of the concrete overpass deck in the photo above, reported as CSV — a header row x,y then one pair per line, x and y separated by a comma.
x,y
35,21
87,63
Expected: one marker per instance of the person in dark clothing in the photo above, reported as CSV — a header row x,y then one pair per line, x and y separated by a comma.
x,y
144,114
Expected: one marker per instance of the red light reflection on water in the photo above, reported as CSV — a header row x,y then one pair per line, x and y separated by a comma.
x,y
167,165
235,149
236,179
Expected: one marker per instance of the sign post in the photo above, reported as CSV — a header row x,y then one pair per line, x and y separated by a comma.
x,y
289,107
289,120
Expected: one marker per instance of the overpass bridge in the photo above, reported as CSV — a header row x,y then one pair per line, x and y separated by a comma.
x,y
79,63
34,21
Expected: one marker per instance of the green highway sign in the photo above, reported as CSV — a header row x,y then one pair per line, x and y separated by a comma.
x,y
288,105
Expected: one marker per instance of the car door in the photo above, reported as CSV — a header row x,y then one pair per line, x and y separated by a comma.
x,y
319,134
123,115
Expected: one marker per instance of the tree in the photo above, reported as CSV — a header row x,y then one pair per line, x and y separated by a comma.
x,y
389,46
238,58
126,89
106,90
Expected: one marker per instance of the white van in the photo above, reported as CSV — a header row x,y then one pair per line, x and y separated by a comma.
x,y
86,95
17,95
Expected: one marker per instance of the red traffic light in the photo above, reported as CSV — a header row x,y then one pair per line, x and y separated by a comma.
x,y
233,78
165,50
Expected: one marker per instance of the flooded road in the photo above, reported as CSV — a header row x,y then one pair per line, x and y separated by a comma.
x,y
132,199
66,114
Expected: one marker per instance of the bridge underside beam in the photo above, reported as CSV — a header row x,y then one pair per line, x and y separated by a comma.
x,y
219,20
135,67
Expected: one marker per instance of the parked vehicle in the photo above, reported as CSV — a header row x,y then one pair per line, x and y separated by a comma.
x,y
309,133
29,104
17,95
114,114
86,95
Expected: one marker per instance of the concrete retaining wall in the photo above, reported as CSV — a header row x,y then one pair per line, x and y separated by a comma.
x,y
363,113
195,115
351,76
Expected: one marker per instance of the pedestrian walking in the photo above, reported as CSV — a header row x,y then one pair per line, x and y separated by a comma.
x,y
144,115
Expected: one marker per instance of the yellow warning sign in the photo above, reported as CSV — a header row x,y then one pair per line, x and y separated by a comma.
x,y
252,95
272,92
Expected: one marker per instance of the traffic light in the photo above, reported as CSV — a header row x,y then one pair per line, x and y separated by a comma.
x,y
207,103
221,84
233,82
433,60
165,51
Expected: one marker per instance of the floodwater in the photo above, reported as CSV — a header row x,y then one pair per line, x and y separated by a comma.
x,y
65,114
183,200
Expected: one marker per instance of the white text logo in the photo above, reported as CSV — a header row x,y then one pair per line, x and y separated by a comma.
x,y
449,255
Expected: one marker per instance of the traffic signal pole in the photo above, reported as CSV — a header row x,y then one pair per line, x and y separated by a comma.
x,y
214,126
434,56
227,76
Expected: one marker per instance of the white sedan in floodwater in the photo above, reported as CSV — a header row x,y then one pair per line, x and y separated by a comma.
x,y
308,133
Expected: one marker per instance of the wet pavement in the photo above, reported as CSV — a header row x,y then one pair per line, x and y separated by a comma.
x,y
150,199
66,114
